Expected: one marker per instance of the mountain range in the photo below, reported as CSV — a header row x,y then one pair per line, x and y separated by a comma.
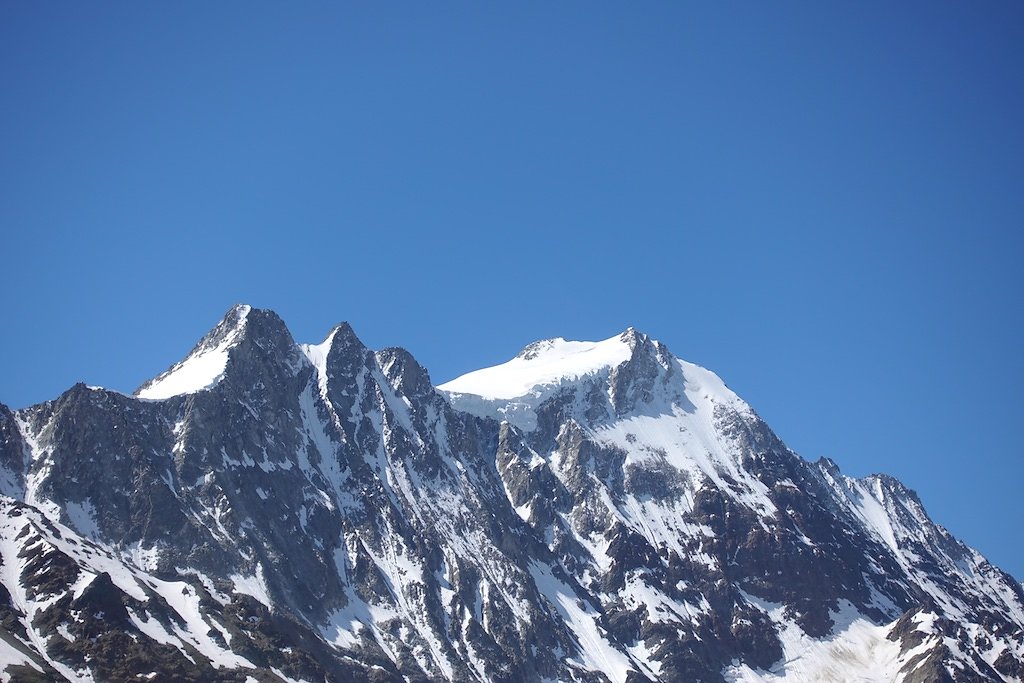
x,y
267,510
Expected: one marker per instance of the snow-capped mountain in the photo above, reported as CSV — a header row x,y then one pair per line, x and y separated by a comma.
x,y
272,511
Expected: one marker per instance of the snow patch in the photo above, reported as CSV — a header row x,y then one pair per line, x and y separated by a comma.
x,y
255,586
858,650
596,651
317,356
11,656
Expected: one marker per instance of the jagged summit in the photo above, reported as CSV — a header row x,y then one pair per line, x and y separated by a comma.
x,y
204,365
633,336
261,332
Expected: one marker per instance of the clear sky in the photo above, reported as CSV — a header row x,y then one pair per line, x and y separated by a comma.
x,y
822,202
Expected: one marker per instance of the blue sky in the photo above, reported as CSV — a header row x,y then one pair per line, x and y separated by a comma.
x,y
822,202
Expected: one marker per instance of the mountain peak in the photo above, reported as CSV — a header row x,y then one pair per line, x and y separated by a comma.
x,y
342,336
233,322
534,349
633,337
205,364
619,514
404,372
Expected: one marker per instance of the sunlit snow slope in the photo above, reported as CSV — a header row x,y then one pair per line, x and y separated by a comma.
x,y
203,367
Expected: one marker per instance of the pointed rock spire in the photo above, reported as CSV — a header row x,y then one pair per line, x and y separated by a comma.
x,y
245,335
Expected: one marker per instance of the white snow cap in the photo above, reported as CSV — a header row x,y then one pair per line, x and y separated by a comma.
x,y
204,367
544,363
514,390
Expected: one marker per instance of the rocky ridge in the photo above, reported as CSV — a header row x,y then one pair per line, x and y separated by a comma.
x,y
267,510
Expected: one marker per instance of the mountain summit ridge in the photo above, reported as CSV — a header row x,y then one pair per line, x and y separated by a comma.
x,y
278,511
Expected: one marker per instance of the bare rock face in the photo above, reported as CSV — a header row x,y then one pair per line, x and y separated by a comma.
x,y
273,511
